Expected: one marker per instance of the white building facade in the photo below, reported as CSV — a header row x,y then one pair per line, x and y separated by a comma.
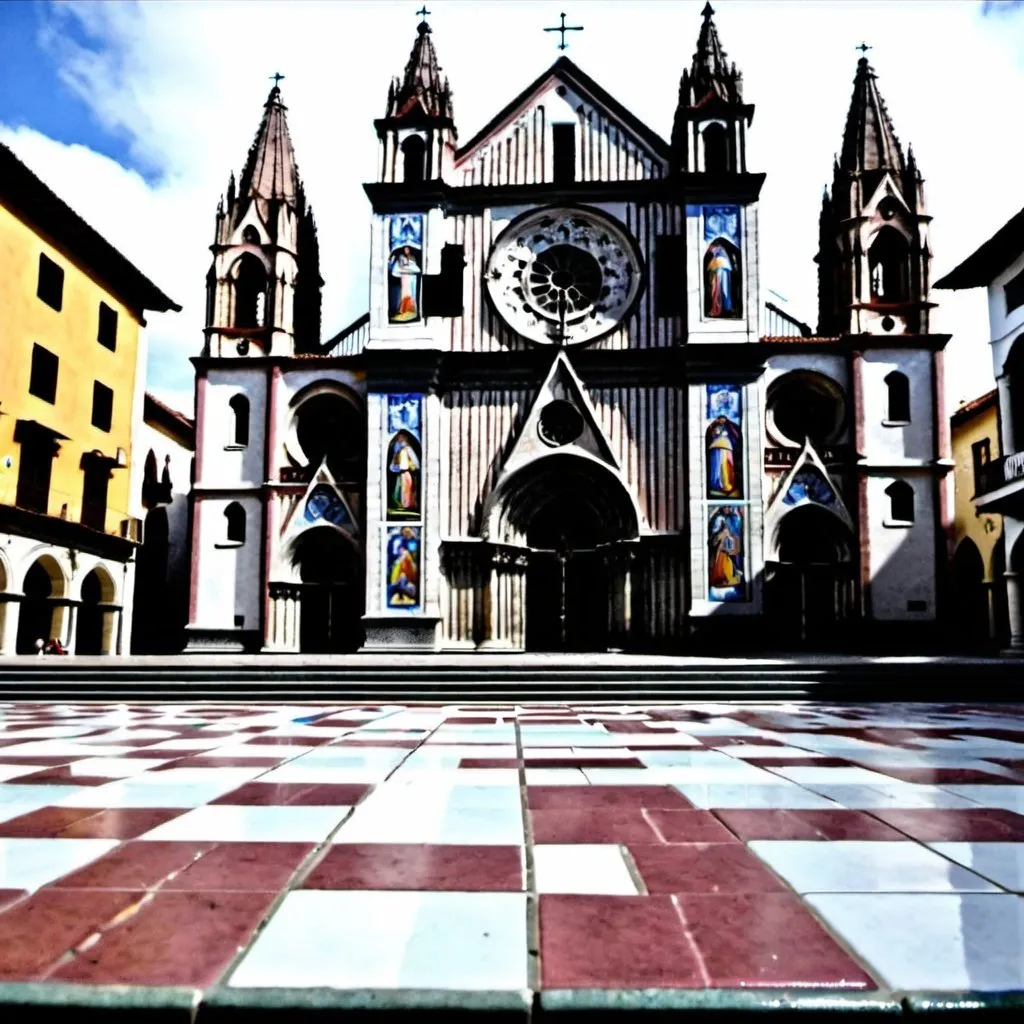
x,y
560,426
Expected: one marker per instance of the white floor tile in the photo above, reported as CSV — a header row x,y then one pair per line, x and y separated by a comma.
x,y
438,940
597,869
40,795
809,775
721,795
1009,798
895,794
296,772
31,863
1002,863
862,866
470,826
932,941
134,792
557,777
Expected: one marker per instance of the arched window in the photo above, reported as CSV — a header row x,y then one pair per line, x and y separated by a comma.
x,y
1013,373
901,501
240,407
250,235
899,397
414,153
716,149
250,292
234,523
889,260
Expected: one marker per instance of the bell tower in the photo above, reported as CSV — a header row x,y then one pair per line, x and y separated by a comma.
x,y
263,288
709,132
874,256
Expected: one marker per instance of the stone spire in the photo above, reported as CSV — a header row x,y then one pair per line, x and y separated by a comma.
x,y
709,74
422,92
869,142
270,171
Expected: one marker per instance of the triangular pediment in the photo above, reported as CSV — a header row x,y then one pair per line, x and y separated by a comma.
x,y
808,482
322,504
561,420
561,90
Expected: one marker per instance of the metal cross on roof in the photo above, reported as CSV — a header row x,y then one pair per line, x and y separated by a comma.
x,y
276,76
563,28
863,48
423,12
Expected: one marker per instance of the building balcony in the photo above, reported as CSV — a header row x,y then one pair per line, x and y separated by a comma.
x,y
1000,485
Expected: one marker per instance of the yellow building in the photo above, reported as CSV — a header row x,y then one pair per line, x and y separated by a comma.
x,y
72,369
979,561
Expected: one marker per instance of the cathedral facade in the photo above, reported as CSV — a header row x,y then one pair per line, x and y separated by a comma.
x,y
569,421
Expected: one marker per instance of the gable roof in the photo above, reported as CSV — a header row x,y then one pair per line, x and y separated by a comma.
x,y
27,195
986,263
565,69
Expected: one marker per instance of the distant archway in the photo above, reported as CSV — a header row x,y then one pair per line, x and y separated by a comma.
x,y
330,569
40,617
889,261
970,597
94,632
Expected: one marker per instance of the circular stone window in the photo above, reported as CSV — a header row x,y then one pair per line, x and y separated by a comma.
x,y
563,276
560,423
805,405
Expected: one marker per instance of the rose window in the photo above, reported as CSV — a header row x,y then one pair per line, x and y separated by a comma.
x,y
564,280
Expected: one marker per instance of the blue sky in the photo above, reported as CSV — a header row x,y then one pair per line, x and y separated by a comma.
x,y
135,113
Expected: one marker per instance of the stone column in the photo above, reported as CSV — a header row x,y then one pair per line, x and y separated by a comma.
x,y
1015,606
1007,437
10,616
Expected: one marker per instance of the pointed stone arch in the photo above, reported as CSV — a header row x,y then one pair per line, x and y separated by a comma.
x,y
96,617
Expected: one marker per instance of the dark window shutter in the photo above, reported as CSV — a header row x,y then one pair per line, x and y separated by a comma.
x,y
670,275
442,293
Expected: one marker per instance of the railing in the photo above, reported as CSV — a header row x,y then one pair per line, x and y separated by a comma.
x,y
1000,472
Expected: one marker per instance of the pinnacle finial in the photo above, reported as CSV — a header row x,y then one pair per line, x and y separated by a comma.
x,y
708,11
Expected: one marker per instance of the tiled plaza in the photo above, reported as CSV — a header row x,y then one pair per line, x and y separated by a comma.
x,y
513,848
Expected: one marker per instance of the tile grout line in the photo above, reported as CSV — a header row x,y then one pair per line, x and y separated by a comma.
x,y
532,896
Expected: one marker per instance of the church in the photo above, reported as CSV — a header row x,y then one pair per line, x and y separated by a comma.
x,y
569,421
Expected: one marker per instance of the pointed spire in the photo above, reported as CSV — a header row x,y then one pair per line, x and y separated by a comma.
x,y
421,90
710,73
270,170
869,142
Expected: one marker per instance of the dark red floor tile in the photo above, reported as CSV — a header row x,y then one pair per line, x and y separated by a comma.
x,y
120,823
245,867
634,728
9,896
583,761
1014,763
332,794
805,824
138,865
471,720
36,932
797,762
688,826
932,825
950,776
153,754
264,794
703,868
200,761
178,938
45,823
488,762
614,942
769,939
584,797
43,760
60,776
592,825
416,866
400,744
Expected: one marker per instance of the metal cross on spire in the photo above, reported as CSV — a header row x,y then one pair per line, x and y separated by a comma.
x,y
423,12
863,48
276,76
563,28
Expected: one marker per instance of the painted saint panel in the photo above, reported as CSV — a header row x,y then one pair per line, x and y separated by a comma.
x,y
809,485
405,267
404,457
726,578
723,283
403,567
724,441
324,503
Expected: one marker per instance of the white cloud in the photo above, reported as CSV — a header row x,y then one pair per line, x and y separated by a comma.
x,y
184,84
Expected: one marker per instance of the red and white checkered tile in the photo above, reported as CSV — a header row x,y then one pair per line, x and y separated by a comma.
x,y
672,845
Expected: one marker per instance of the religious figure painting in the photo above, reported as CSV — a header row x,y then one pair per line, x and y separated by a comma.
x,y
726,580
724,441
722,281
404,457
403,567
809,485
325,503
722,222
405,268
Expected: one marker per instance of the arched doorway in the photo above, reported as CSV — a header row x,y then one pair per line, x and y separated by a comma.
x,y
970,597
94,632
330,427
155,625
809,589
570,512
39,618
331,601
